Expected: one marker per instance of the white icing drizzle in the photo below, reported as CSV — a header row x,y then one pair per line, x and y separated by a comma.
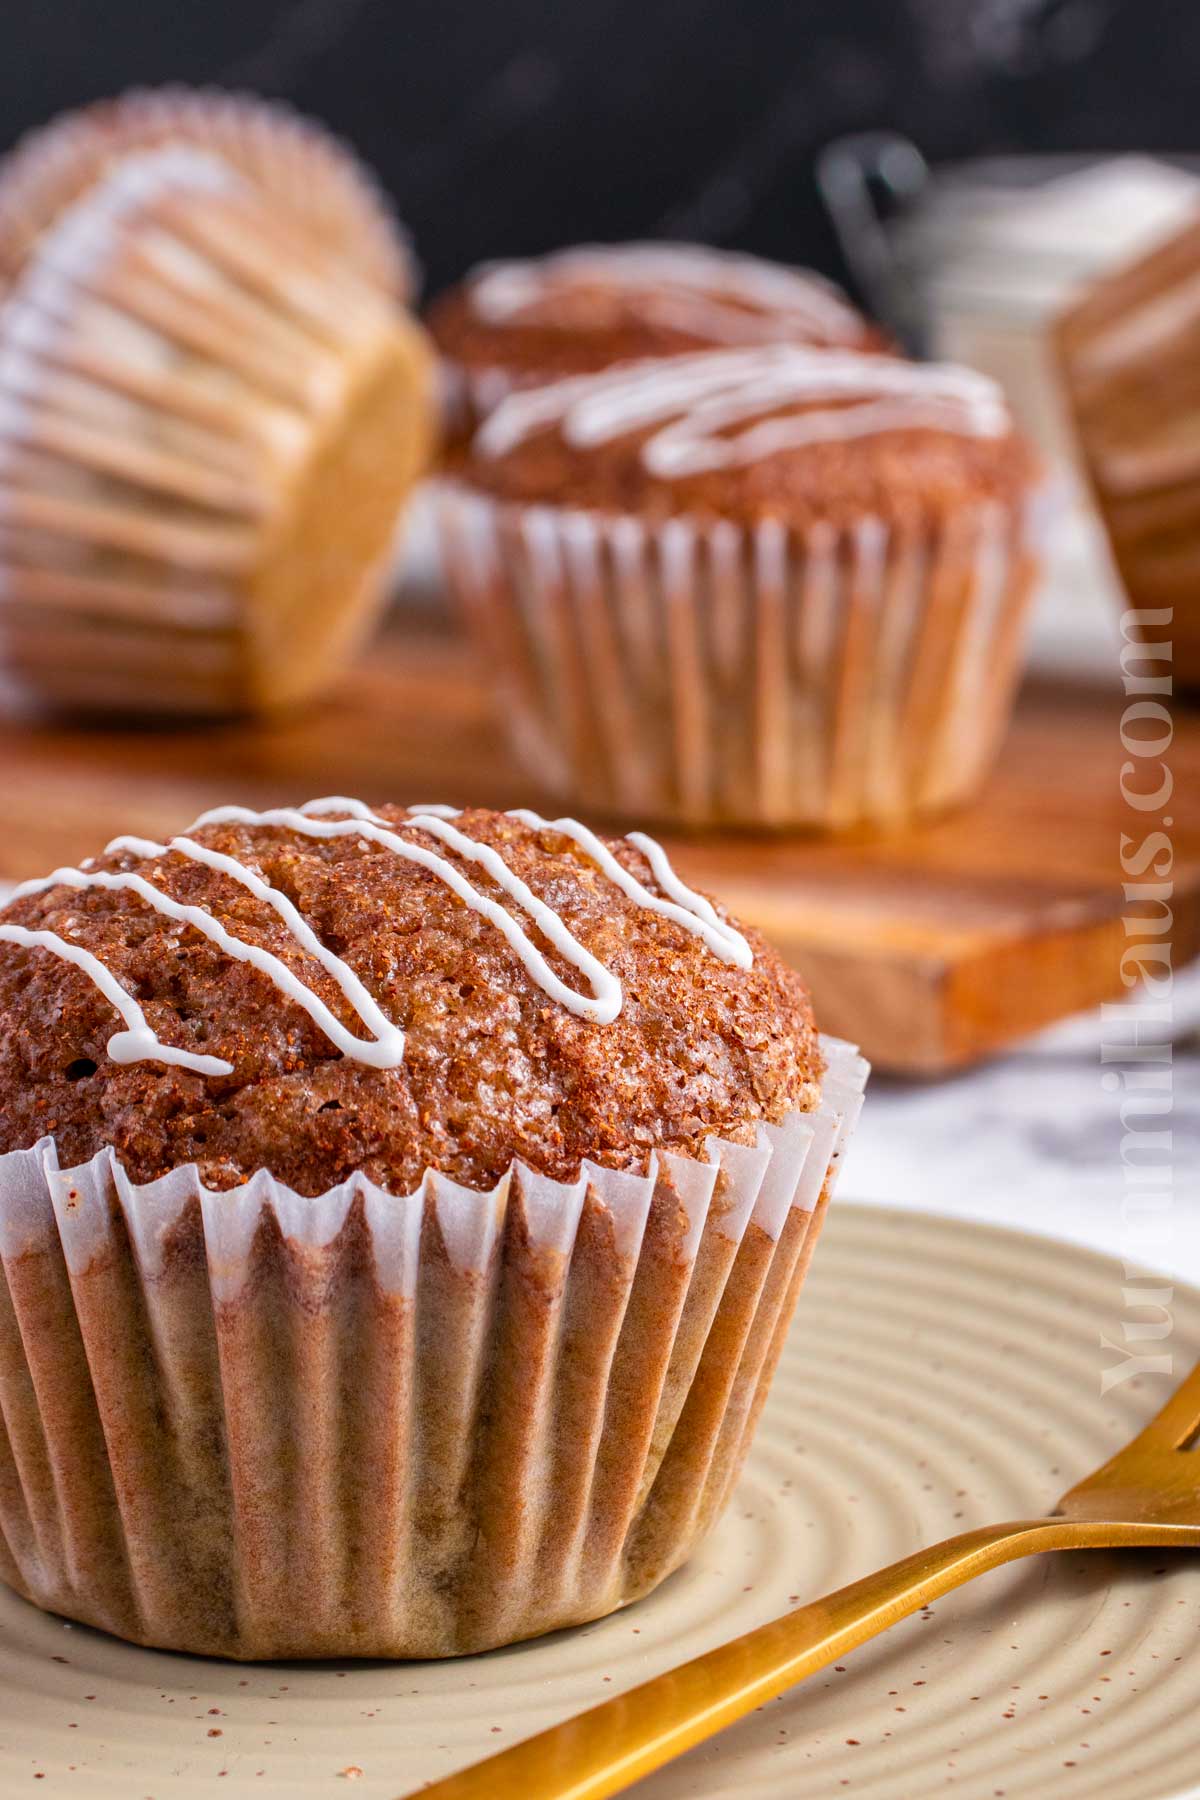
x,y
690,909
685,896
694,401
686,907
604,1002
385,1053
138,1043
385,1047
713,294
388,1049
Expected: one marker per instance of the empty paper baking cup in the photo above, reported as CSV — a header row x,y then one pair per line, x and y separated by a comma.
x,y
208,425
250,1424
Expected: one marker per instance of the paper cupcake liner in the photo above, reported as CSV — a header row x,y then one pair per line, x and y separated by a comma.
x,y
291,158
703,672
255,1425
207,428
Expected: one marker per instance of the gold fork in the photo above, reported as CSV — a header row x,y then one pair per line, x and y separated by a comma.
x,y
1146,1495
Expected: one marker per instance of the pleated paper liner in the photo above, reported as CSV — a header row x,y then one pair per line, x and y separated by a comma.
x,y
254,1425
298,163
701,672
207,428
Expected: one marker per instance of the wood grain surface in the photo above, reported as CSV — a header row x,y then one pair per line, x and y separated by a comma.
x,y
931,949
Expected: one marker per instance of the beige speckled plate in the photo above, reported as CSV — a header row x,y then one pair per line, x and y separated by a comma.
x,y
940,1375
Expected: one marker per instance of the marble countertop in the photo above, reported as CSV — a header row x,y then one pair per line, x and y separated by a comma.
x,y
1034,1140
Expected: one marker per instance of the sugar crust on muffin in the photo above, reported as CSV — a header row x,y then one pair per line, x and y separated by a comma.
x,y
509,1045
517,323
777,430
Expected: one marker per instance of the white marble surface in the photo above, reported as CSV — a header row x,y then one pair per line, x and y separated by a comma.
x,y
1034,1140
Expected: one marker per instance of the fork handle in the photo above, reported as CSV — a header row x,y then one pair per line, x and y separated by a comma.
x,y
603,1750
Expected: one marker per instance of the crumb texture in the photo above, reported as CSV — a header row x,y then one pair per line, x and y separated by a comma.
x,y
493,1069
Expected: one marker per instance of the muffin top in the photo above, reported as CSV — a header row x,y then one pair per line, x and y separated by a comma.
x,y
782,430
335,988
589,307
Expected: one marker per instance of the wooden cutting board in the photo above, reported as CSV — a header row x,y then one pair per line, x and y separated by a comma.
x,y
930,949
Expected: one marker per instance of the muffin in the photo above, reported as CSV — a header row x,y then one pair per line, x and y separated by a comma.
x,y
523,324
208,426
401,1213
1129,355
300,164
780,586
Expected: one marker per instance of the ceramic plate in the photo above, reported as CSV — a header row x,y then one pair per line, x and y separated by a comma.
x,y
940,1375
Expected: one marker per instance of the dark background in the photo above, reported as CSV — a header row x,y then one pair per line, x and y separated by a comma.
x,y
515,125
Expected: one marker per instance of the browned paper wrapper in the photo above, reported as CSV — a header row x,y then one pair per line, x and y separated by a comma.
x,y
251,1424
702,672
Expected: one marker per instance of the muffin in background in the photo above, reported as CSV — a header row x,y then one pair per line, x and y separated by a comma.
x,y
522,324
1129,357
778,586
208,425
297,162
402,1300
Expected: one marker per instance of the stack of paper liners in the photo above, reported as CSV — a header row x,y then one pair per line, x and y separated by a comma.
x,y
207,427
256,1425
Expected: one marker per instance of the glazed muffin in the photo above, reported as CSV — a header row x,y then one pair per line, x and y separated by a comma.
x,y
523,324
401,1213
297,162
777,586
1129,354
208,426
